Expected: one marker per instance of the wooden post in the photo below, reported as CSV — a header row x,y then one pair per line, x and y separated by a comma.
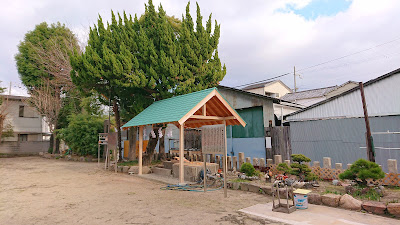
x,y
225,161
115,153
181,152
370,149
140,150
98,154
205,172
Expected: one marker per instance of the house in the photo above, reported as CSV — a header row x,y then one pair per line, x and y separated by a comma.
x,y
274,88
310,97
335,127
30,132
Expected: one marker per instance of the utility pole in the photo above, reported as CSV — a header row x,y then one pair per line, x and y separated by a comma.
x,y
294,77
370,145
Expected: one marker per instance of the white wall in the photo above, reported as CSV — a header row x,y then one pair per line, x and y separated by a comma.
x,y
277,87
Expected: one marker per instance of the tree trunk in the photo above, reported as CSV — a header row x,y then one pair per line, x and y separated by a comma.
x,y
162,146
1,126
132,133
150,148
118,123
54,139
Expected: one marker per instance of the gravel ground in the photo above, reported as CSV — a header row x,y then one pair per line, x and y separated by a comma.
x,y
35,190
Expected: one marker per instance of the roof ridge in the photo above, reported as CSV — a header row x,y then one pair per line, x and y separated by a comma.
x,y
313,89
177,96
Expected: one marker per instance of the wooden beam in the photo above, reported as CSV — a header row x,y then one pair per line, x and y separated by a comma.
x,y
226,104
140,150
205,109
199,121
211,117
181,153
197,107
225,161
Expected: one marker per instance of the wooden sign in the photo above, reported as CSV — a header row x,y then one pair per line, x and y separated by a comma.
x,y
213,139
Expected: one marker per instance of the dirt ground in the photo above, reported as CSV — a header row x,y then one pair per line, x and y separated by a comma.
x,y
34,190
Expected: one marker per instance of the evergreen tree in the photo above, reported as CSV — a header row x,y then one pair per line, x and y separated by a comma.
x,y
134,62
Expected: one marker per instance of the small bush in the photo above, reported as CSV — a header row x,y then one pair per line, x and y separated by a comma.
x,y
299,169
362,170
248,169
311,177
283,167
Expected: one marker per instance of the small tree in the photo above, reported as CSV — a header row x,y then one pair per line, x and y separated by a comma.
x,y
248,169
298,167
361,170
283,167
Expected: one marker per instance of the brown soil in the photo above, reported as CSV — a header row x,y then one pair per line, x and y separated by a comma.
x,y
34,190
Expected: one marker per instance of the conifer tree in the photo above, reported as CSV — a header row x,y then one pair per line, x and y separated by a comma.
x,y
135,62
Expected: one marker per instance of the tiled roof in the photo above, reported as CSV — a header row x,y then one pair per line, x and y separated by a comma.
x,y
259,85
314,93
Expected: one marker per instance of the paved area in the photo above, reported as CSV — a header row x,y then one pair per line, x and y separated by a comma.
x,y
317,214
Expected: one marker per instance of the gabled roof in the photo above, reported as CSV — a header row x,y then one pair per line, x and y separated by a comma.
x,y
188,109
313,93
265,84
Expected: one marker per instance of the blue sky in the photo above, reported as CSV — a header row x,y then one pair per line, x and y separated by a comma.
x,y
317,8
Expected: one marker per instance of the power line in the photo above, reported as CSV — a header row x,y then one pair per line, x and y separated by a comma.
x,y
257,82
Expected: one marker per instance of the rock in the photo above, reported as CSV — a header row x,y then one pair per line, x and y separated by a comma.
x,y
314,198
235,185
330,200
297,184
41,153
289,181
119,169
244,186
374,207
335,182
125,169
394,209
380,190
348,202
94,160
135,170
229,184
254,188
349,189
266,190
315,185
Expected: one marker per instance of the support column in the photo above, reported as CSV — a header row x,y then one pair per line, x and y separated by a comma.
x,y
140,150
181,153
225,161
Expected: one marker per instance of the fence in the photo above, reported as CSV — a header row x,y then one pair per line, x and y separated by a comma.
x,y
280,142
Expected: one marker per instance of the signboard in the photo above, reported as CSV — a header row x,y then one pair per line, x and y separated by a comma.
x,y
213,139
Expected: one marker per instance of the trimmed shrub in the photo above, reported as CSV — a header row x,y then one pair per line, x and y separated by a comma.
x,y
248,169
298,168
361,170
283,167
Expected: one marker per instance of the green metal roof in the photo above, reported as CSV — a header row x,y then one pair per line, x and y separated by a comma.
x,y
168,110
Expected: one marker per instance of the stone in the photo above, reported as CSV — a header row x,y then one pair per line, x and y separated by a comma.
x,y
162,171
316,164
244,186
266,190
394,209
380,190
270,162
241,159
234,163
119,169
277,159
255,162
349,165
330,200
82,159
287,162
248,160
254,188
235,185
229,184
169,164
94,160
218,161
327,162
348,202
374,207
135,170
392,165
192,171
314,198
229,163
298,184
125,169
335,182
262,162
41,153
338,166
349,189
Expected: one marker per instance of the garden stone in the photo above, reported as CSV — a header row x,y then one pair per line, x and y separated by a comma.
x,y
349,189
335,182
135,170
374,207
298,184
348,202
380,190
330,200
119,169
82,159
229,184
244,186
254,188
267,190
277,159
125,169
314,198
394,209
235,185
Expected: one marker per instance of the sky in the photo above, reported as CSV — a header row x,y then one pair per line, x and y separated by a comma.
x,y
328,41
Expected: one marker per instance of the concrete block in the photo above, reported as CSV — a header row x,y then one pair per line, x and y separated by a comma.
x,y
338,166
266,190
270,162
262,162
125,169
135,170
192,171
277,159
330,200
287,162
236,185
119,169
244,186
168,164
349,165
162,171
316,164
255,161
392,165
327,163
229,162
254,188
248,160
234,162
241,159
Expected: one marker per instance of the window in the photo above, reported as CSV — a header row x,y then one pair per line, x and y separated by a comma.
x,y
21,111
23,137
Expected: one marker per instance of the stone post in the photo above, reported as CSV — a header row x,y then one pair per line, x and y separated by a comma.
x,y
241,159
316,164
255,161
270,162
229,162
218,160
234,162
262,162
392,165
277,159
248,159
338,166
327,163
348,166
287,162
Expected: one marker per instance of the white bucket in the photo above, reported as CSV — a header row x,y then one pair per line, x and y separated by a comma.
x,y
300,201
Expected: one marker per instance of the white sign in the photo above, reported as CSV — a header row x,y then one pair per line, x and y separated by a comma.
x,y
268,142
213,139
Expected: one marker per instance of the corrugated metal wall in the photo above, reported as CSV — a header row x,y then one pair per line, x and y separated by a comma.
x,y
382,99
341,139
